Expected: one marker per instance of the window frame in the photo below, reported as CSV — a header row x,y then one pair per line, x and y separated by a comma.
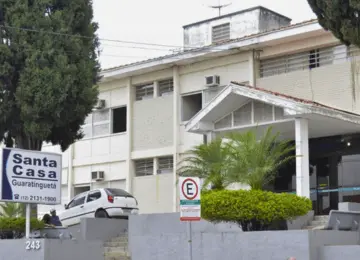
x,y
101,122
81,195
146,86
145,159
165,170
182,103
169,90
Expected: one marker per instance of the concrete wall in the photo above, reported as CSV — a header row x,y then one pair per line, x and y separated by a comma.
x,y
165,237
51,249
98,229
339,252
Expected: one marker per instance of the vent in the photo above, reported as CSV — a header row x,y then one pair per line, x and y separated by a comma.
x,y
166,87
166,165
144,167
100,104
212,81
221,32
145,91
97,176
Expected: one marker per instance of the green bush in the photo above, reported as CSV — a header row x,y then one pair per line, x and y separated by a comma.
x,y
252,209
18,224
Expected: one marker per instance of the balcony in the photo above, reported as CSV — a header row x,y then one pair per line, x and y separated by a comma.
x,y
329,76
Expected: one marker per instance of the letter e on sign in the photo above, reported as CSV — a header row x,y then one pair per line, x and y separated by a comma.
x,y
190,207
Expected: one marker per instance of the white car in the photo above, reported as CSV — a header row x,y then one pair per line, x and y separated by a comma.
x,y
99,203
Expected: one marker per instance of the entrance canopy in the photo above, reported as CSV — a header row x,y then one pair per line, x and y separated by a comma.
x,y
241,107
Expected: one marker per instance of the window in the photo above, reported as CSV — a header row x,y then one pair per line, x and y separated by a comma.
x,y
144,167
101,122
191,105
166,87
119,120
94,195
221,32
77,201
118,192
303,60
145,91
166,164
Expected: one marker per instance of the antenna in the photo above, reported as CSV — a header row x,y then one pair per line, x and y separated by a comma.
x,y
219,6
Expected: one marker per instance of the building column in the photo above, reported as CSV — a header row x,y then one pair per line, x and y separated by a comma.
x,y
129,131
302,157
70,177
176,134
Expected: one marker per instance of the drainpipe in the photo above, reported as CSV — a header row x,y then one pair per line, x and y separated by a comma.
x,y
176,125
252,68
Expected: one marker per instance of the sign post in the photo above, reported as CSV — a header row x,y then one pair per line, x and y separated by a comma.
x,y
30,177
190,207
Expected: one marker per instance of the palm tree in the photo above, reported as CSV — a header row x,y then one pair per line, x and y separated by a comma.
x,y
208,162
254,161
12,210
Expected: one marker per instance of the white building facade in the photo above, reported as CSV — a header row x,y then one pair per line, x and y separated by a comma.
x,y
151,112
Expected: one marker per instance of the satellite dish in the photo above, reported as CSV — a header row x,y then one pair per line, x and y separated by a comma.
x,y
218,4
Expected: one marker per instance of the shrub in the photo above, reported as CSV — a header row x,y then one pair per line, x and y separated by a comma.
x,y
252,209
15,227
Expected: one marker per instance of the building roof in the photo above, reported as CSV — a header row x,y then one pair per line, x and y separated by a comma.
x,y
236,13
228,100
173,58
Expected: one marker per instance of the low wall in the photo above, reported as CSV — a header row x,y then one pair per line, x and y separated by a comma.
x,y
339,252
164,236
99,229
349,206
51,249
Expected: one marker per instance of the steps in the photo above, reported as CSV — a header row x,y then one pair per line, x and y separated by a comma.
x,y
319,222
117,249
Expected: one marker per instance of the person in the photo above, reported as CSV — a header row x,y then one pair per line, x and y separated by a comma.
x,y
47,220
54,218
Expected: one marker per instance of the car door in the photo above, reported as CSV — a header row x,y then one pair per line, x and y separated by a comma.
x,y
74,211
92,203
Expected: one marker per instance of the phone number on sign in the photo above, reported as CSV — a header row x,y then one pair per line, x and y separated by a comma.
x,y
38,198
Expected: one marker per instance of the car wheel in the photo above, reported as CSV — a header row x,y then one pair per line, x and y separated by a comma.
x,y
101,214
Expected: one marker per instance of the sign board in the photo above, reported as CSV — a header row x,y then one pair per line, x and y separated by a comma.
x,y
30,176
190,208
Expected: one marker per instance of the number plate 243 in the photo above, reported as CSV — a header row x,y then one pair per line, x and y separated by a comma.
x,y
32,245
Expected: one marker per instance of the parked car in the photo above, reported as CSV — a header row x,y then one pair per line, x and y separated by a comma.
x,y
99,203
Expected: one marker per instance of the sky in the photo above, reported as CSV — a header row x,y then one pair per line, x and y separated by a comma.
x,y
133,30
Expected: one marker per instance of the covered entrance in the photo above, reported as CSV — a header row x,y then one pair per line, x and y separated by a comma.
x,y
324,138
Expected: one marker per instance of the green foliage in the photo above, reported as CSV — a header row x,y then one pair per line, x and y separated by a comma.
x,y
12,210
207,161
254,161
243,207
340,17
47,80
245,158
18,224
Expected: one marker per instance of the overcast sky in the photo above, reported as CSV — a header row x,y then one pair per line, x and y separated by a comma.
x,y
160,22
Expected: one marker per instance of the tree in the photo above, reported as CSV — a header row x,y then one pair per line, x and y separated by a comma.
x,y
341,17
208,162
254,161
48,70
12,210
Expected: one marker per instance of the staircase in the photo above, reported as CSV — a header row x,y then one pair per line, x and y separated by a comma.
x,y
117,249
319,222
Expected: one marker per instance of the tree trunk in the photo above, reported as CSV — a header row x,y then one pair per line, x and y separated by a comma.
x,y
28,143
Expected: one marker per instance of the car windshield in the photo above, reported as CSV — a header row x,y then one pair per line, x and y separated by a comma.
x,y
118,192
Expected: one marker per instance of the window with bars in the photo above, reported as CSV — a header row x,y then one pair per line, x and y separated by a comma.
x,y
303,60
221,32
144,167
145,91
97,124
165,164
166,87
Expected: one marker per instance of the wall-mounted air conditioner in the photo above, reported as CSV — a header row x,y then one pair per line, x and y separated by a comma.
x,y
97,176
212,81
100,104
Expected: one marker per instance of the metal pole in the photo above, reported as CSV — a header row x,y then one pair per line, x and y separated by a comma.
x,y
27,223
190,240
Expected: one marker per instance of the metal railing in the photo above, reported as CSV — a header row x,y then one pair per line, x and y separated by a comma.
x,y
307,60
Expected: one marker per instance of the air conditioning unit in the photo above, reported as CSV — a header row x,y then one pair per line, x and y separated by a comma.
x,y
212,81
100,104
97,176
